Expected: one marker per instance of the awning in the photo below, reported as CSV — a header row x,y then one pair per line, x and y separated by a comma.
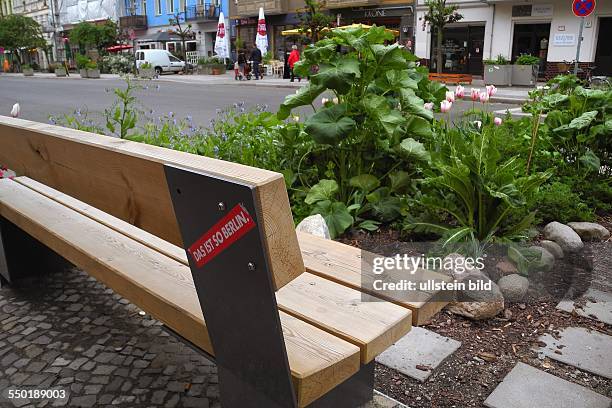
x,y
296,31
119,47
162,36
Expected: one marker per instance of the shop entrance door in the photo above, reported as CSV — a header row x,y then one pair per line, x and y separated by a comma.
x,y
603,54
461,50
531,39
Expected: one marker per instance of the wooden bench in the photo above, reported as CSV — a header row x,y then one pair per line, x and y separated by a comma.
x,y
282,314
451,78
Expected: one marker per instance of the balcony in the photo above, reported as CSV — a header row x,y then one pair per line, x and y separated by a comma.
x,y
246,8
202,12
351,3
137,22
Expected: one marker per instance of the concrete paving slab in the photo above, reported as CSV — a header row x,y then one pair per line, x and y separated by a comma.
x,y
598,306
381,400
528,387
419,348
588,350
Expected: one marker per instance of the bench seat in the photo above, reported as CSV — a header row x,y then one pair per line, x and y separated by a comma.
x,y
347,330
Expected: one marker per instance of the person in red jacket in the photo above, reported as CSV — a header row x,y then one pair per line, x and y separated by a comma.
x,y
293,58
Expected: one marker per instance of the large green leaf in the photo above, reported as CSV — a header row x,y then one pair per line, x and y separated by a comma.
x,y
396,80
413,104
400,182
583,120
391,121
418,126
590,161
389,56
323,190
365,182
330,125
304,96
338,76
385,207
336,216
412,149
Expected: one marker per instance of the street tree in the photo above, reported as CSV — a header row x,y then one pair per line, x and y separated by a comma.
x,y
313,19
18,32
438,15
183,30
94,36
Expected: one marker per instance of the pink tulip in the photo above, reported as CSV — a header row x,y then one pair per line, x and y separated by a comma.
x,y
450,96
497,121
460,92
475,94
445,106
484,97
428,105
491,90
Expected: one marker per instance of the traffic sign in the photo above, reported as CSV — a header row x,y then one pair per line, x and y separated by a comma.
x,y
583,8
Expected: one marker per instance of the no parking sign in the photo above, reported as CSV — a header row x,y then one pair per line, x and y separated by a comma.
x,y
583,8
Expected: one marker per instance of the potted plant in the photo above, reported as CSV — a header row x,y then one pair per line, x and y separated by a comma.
x,y
81,62
525,70
212,66
498,71
27,70
146,70
92,70
60,70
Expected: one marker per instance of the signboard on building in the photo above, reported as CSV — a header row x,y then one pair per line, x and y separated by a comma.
x,y
532,10
564,40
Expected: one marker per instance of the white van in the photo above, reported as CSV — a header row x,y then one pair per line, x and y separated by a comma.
x,y
161,60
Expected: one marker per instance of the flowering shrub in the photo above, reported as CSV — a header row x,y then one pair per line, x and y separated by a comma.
x,y
117,64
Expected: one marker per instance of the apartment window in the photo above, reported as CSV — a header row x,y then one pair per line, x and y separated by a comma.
x,y
143,8
158,5
182,6
169,6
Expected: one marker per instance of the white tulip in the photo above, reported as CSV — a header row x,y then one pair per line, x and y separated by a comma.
x,y
16,110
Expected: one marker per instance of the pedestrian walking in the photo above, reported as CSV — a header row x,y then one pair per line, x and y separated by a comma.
x,y
241,63
256,59
293,58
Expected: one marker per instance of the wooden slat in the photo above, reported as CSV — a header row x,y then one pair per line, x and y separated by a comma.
x,y
164,288
343,264
126,179
372,324
366,322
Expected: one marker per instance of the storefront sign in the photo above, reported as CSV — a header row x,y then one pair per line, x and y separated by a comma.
x,y
532,10
374,13
542,10
564,40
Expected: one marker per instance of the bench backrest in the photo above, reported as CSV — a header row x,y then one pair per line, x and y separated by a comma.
x,y
127,179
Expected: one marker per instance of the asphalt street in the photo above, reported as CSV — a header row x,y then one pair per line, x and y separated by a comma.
x,y
42,97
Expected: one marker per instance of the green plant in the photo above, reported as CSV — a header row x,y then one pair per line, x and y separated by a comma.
x,y
313,19
373,125
500,60
122,116
99,36
146,65
210,61
91,65
267,57
26,67
557,202
472,191
117,64
82,61
527,59
18,32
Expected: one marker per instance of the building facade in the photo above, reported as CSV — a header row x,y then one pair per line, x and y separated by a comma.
x,y
547,29
283,15
40,11
151,23
6,7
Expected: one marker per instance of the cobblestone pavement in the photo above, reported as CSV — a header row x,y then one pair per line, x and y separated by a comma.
x,y
68,332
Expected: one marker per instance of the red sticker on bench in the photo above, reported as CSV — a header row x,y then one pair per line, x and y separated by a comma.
x,y
223,234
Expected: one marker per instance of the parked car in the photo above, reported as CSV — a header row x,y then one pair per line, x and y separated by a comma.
x,y
161,60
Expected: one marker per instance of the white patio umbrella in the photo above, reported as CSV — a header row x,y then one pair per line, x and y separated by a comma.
x,y
261,40
222,40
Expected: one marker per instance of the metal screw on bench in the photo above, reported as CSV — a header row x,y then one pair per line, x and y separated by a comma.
x,y
221,206
251,266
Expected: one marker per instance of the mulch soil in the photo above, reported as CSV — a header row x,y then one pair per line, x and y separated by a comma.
x,y
490,348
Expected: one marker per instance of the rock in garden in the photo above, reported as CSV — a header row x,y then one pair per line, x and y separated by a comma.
x,y
563,235
514,287
553,248
590,231
478,304
454,265
315,225
547,260
502,268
